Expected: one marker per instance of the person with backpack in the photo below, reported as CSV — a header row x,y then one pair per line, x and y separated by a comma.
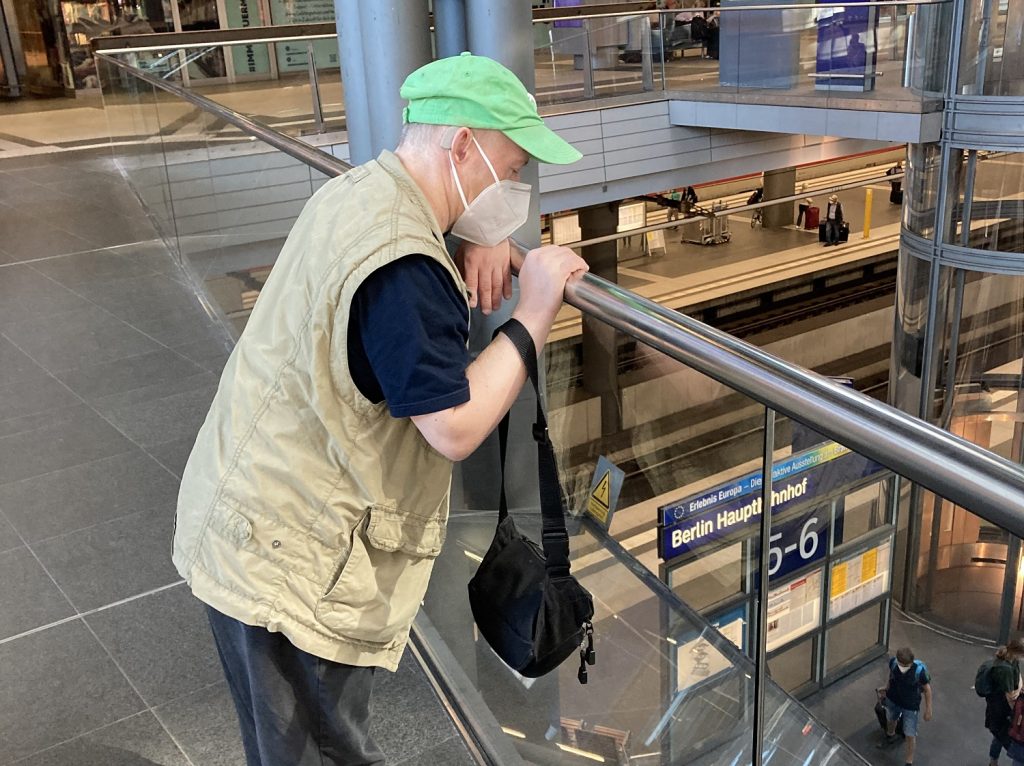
x,y
909,684
999,682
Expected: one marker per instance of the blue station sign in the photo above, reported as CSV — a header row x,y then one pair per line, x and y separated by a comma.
x,y
688,524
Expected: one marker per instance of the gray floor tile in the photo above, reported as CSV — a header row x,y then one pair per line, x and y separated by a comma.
x,y
87,335
113,560
173,455
32,394
143,299
38,239
451,752
28,196
210,354
56,686
15,366
107,230
169,418
162,642
206,727
407,719
26,294
79,497
154,257
96,381
25,423
179,329
70,437
136,741
28,597
95,266
8,536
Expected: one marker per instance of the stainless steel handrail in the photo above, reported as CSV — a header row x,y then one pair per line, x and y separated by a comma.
x,y
964,473
158,41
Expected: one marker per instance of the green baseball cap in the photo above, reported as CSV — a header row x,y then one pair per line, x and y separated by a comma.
x,y
478,92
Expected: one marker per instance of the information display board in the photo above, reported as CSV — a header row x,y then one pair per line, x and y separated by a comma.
x,y
794,609
859,579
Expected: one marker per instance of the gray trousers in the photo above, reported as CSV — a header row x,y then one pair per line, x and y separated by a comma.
x,y
294,709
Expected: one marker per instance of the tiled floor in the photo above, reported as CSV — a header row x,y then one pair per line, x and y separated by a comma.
x,y
108,363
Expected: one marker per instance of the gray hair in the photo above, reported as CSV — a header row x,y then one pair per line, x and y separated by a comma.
x,y
421,135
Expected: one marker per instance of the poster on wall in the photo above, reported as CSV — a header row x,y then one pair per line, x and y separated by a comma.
x,y
794,609
697,659
246,59
858,580
294,56
846,47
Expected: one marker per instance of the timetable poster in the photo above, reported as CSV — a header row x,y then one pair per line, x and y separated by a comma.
x,y
858,580
794,609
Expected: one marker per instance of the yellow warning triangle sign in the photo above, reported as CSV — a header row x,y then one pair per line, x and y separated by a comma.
x,y
602,491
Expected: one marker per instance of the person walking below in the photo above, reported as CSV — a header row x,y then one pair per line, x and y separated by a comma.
x,y
896,185
1004,683
908,686
833,220
801,210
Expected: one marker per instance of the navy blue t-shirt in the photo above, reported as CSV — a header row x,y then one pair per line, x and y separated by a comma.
x,y
408,328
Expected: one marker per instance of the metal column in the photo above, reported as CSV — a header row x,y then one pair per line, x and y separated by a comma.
x,y
503,30
396,41
350,54
450,28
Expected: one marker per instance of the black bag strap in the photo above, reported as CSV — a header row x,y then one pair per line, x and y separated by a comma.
x,y
554,537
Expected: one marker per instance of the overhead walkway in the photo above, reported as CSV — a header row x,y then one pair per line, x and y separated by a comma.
x,y
668,688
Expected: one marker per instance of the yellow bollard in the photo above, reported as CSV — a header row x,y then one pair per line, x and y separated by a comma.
x,y
868,193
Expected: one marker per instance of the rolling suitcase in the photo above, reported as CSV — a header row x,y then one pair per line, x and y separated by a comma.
x,y
880,715
896,197
821,232
844,232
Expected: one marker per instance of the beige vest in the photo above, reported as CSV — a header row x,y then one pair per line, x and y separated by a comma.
x,y
304,508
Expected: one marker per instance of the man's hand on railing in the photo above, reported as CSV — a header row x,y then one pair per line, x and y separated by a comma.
x,y
542,279
488,274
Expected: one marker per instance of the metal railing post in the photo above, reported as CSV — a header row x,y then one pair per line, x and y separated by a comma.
x,y
761,632
588,61
314,88
646,60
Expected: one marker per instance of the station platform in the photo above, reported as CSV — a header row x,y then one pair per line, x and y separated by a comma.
x,y
687,274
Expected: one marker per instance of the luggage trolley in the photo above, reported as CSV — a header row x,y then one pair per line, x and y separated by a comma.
x,y
714,230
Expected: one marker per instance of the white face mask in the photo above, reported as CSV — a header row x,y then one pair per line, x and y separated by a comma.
x,y
903,668
497,211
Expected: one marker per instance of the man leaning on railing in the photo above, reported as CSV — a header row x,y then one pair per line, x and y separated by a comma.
x,y
315,499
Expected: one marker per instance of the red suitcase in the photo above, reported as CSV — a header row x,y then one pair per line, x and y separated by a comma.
x,y
811,218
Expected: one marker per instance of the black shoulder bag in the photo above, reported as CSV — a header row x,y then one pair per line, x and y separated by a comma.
x,y
527,605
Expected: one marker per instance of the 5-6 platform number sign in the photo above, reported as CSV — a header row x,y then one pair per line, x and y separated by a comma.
x,y
798,542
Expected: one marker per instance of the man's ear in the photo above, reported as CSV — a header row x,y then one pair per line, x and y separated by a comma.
x,y
458,141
